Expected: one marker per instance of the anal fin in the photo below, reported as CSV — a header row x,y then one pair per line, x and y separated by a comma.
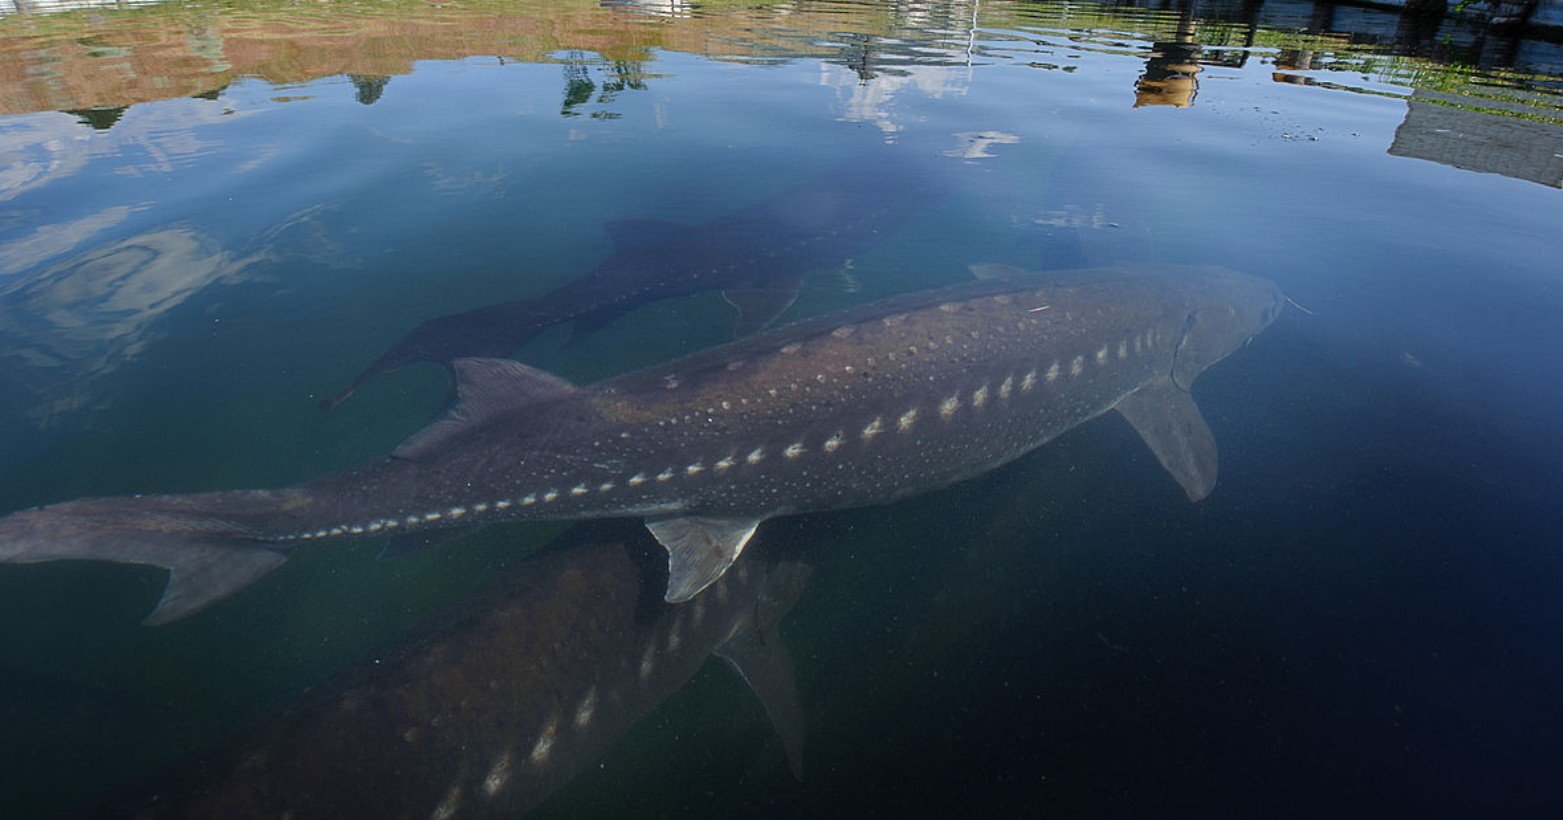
x,y
1168,420
699,549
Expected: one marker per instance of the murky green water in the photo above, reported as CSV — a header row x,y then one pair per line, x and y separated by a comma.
x,y
212,216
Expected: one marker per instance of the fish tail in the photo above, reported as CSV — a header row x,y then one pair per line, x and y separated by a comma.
x,y
200,539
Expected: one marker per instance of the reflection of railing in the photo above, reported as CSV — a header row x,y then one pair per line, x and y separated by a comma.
x,y
56,6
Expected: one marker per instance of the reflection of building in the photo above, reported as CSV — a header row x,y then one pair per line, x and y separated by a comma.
x,y
1436,129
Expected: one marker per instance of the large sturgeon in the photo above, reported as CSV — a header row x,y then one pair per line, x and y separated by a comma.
x,y
494,713
865,406
757,257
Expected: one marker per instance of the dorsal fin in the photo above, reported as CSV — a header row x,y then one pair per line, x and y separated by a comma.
x,y
484,389
639,234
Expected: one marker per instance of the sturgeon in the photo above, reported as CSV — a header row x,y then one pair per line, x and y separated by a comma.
x,y
494,713
864,406
757,257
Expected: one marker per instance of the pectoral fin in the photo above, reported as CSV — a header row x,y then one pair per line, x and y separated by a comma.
x,y
1167,418
699,549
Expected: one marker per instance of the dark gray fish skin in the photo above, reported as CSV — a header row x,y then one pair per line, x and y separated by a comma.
x,y
493,714
758,257
862,407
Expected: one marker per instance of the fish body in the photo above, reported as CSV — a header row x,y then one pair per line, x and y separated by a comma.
x,y
757,257
861,407
494,713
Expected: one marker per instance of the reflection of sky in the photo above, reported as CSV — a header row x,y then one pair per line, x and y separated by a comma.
x,y
101,237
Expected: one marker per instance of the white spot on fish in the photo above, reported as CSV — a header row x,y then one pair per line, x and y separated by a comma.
x,y
1139,344
447,807
1029,381
892,321
498,774
906,421
545,744
874,428
587,708
1123,348
356,530
605,486
1052,372
948,407
675,636
529,500
1101,355
505,503
413,519
456,512
637,479
843,332
794,450
579,489
833,443
480,507
665,474
792,348
550,495
1006,387
979,397
726,464
695,469
755,456
648,661
1077,366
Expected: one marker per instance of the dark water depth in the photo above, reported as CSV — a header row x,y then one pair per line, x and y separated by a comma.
x,y
214,215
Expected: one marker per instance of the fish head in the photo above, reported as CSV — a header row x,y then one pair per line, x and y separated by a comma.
x,y
1226,310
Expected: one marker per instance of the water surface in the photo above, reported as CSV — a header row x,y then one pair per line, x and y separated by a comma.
x,y
212,215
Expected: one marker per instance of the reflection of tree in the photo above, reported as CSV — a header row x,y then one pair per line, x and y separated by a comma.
x,y
369,88
579,85
100,119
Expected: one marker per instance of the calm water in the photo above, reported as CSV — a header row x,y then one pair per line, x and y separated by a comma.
x,y
213,215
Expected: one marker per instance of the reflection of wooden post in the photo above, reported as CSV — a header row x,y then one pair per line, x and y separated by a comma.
x,y
1170,72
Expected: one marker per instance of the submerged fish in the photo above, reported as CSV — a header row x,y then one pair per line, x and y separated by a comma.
x,y
496,712
861,407
757,257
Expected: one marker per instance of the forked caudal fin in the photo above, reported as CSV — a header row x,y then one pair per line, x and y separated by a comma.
x,y
207,558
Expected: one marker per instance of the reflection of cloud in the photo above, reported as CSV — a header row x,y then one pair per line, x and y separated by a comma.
x,y
38,149
875,100
87,315
975,144
66,326
446,183
52,240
